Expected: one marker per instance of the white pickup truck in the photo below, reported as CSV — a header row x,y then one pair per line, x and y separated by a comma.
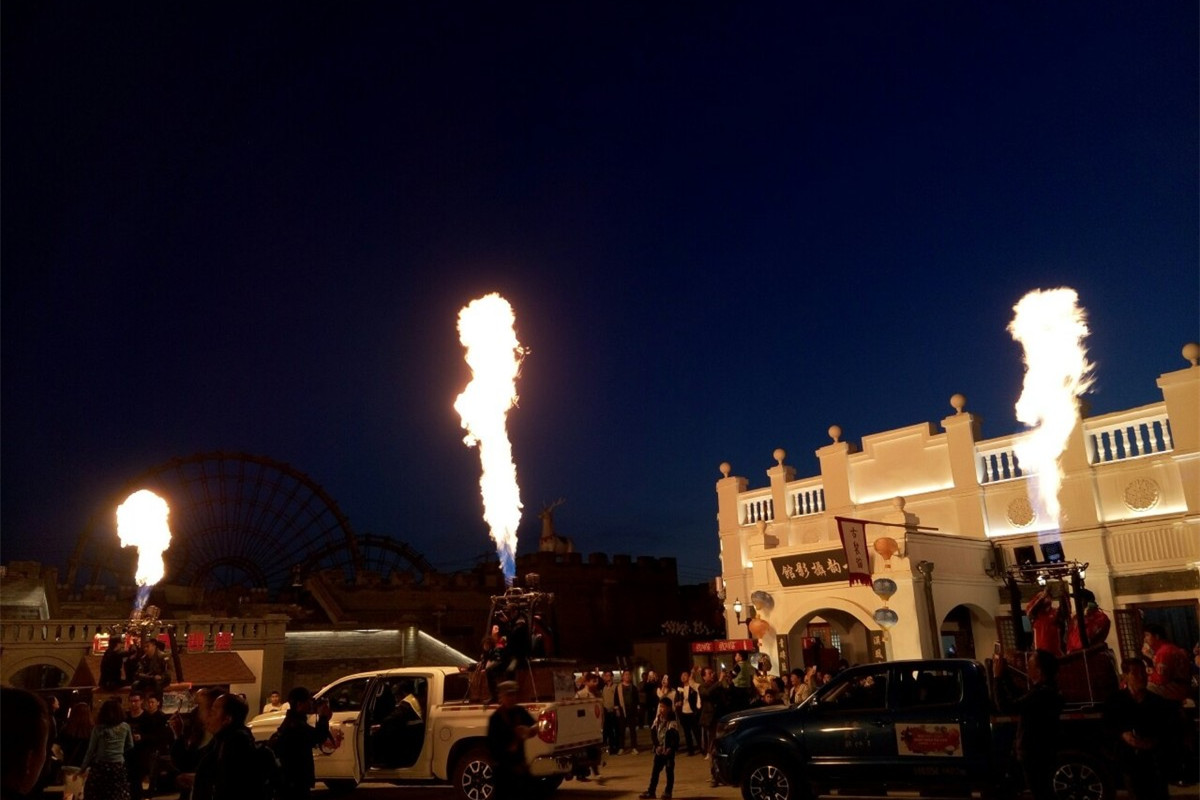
x,y
371,740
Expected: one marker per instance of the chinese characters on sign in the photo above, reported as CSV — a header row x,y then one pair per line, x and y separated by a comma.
x,y
878,648
724,646
807,569
854,542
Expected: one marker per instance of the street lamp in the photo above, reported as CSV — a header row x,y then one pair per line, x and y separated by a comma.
x,y
737,609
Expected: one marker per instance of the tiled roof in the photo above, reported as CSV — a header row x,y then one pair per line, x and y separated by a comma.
x,y
199,669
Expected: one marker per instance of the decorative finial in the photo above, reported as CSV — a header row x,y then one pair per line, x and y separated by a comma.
x,y
835,433
958,402
1191,351
898,503
725,468
780,454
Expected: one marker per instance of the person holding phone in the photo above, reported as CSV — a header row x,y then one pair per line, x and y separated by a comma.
x,y
294,741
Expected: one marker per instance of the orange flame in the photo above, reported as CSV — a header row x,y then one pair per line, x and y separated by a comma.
x,y
142,523
485,328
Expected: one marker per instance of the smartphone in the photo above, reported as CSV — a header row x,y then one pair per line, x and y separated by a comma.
x,y
996,648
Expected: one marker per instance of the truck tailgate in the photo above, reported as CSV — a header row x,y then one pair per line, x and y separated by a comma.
x,y
577,723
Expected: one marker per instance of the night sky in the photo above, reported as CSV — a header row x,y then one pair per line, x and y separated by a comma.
x,y
723,228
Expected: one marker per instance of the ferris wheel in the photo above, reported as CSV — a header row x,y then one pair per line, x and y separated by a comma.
x,y
236,520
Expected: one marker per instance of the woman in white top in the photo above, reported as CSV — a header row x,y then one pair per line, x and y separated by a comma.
x,y
665,690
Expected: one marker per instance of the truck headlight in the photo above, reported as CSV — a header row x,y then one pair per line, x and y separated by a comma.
x,y
725,727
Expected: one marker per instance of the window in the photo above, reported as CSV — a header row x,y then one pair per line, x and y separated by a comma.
x,y
928,687
347,695
863,690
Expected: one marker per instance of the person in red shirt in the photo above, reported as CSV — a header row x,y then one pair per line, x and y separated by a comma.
x,y
1046,620
1171,676
1095,622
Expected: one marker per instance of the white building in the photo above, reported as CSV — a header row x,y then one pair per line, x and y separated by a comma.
x,y
1130,504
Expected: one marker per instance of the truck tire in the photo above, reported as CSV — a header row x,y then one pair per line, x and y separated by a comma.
x,y
771,777
1081,776
473,775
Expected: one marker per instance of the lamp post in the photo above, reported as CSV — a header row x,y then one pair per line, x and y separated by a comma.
x,y
737,610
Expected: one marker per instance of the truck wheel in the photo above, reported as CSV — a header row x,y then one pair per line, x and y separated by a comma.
x,y
1079,776
767,777
473,777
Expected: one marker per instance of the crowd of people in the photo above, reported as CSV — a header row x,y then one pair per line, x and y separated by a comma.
x,y
682,714
208,753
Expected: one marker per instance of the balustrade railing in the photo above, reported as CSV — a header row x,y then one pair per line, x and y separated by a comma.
x,y
1129,434
82,631
806,501
997,461
757,508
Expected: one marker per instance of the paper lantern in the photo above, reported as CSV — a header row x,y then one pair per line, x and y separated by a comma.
x,y
886,546
886,618
884,588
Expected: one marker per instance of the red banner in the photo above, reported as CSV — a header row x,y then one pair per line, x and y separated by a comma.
x,y
854,542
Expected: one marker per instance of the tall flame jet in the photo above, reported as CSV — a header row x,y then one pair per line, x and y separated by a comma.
x,y
485,328
142,523
1051,327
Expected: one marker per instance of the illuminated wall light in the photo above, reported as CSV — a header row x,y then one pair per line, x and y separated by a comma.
x,y
900,490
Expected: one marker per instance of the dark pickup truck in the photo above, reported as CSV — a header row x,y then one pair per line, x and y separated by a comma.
x,y
925,725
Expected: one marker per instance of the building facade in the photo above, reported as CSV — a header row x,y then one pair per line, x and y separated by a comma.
x,y
957,515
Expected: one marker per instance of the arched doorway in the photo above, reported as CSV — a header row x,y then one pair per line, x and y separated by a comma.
x,y
826,637
36,677
962,628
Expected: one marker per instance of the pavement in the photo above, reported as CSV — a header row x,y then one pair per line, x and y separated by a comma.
x,y
628,775
622,776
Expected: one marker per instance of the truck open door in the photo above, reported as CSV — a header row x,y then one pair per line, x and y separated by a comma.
x,y
340,758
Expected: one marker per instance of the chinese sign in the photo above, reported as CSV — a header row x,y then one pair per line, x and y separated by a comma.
x,y
878,647
724,646
854,542
808,569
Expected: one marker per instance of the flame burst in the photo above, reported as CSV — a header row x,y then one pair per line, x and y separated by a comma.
x,y
485,328
1051,328
142,523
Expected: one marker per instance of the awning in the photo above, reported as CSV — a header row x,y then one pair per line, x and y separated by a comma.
x,y
199,669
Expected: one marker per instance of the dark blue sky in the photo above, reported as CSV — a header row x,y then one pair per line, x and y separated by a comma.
x,y
723,229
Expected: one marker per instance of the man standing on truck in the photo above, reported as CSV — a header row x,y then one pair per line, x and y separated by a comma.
x,y
1037,719
508,728
1141,721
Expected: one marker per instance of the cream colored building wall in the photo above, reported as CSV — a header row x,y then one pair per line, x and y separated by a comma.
x,y
1138,515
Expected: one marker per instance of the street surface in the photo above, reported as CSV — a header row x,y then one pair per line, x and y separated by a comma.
x,y
623,777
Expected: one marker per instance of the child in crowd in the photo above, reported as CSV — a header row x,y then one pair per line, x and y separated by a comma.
x,y
664,733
